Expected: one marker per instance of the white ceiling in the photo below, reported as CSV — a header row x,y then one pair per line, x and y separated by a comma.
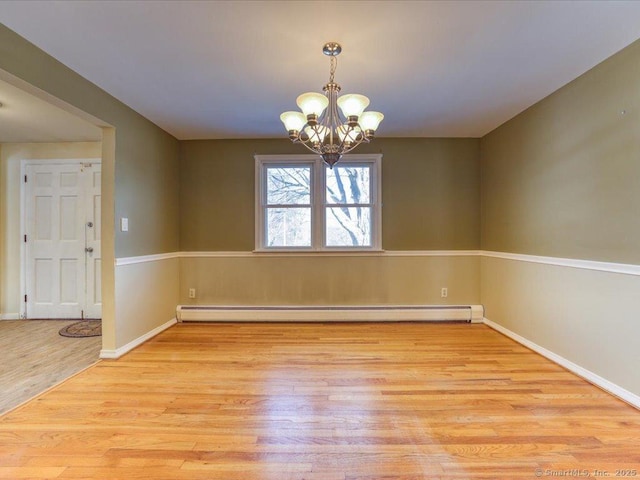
x,y
27,118
227,69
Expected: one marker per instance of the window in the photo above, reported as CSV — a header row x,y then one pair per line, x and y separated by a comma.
x,y
301,204
288,206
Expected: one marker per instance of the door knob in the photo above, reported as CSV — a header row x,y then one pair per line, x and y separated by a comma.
x,y
88,249
89,224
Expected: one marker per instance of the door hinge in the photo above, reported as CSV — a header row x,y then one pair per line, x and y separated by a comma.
x,y
25,239
25,299
25,179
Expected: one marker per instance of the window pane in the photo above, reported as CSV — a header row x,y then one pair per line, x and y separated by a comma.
x,y
289,185
348,227
348,184
288,227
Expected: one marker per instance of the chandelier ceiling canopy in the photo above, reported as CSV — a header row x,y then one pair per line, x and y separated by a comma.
x,y
330,125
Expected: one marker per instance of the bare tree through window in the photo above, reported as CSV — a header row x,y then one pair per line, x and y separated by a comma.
x,y
347,209
289,206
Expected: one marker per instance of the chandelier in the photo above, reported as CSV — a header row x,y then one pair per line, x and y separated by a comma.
x,y
321,128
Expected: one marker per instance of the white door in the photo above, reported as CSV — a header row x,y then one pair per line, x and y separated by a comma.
x,y
93,258
62,240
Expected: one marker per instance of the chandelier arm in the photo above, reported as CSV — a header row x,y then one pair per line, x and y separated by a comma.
x,y
309,145
341,147
350,146
308,142
333,119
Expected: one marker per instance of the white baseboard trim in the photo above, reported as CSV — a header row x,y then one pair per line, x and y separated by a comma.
x,y
10,316
118,352
612,388
378,313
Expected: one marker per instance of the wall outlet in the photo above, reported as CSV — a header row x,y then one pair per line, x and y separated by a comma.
x,y
444,292
192,293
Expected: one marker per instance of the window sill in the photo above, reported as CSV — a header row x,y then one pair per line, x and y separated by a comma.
x,y
327,252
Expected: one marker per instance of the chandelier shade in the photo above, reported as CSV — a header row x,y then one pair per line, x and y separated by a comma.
x,y
371,120
353,105
293,120
312,103
331,125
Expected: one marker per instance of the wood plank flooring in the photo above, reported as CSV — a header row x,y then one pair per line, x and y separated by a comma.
x,y
34,357
322,402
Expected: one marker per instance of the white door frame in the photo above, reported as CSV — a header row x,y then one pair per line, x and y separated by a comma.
x,y
23,213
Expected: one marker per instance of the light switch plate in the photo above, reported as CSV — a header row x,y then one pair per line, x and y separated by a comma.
x,y
124,224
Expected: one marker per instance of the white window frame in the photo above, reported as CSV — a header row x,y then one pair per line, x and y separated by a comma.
x,y
318,200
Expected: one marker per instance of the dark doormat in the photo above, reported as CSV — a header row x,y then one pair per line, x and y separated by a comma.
x,y
84,328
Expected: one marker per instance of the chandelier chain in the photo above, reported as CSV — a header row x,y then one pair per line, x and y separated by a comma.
x,y
332,68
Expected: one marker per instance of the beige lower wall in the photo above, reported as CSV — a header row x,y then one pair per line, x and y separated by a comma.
x,y
147,296
11,156
330,280
588,317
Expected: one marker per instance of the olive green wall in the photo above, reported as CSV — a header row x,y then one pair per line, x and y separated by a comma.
x,y
562,179
217,192
146,166
140,181
430,192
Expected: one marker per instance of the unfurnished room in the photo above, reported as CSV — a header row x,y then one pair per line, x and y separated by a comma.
x,y
319,240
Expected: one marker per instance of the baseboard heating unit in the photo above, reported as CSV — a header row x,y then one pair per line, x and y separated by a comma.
x,y
377,313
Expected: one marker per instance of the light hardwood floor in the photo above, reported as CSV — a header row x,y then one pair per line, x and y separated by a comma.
x,y
322,402
33,357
